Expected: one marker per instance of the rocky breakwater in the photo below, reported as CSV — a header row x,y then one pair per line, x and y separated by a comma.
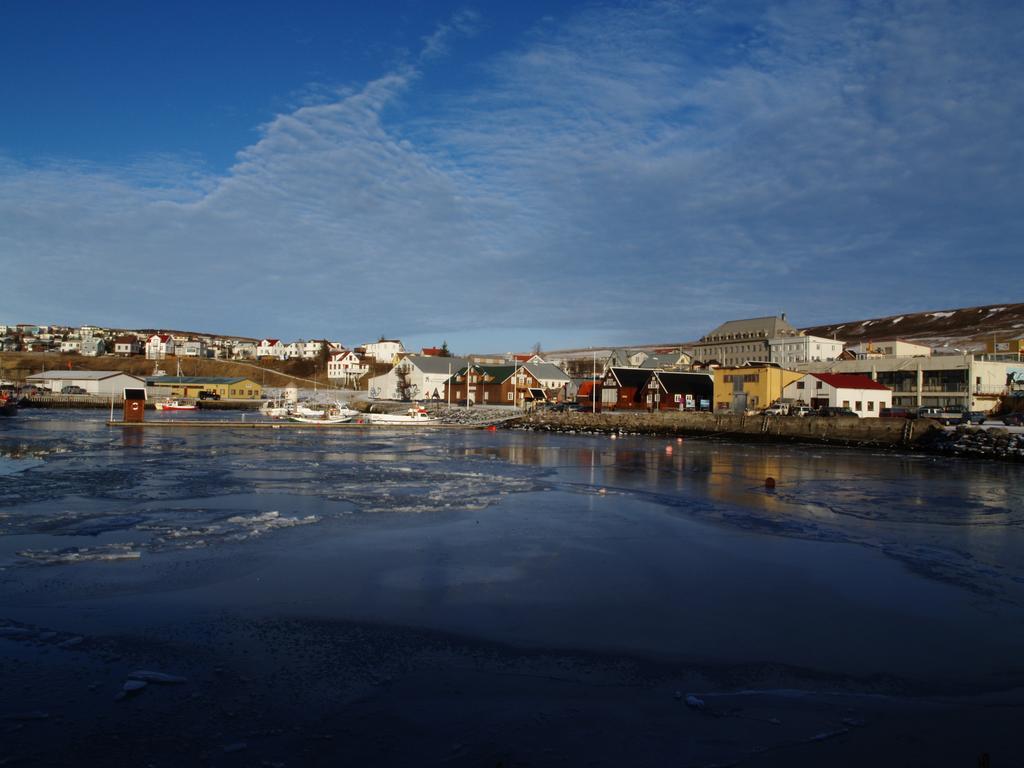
x,y
835,431
991,443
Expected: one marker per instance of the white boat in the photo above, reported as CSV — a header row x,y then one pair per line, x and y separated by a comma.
x,y
275,409
337,408
173,404
334,413
414,415
323,418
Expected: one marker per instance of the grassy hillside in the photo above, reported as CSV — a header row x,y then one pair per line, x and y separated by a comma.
x,y
18,365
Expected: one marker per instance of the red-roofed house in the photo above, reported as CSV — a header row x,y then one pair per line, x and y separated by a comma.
x,y
861,394
271,348
159,345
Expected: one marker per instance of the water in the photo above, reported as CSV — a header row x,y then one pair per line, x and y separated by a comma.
x,y
860,572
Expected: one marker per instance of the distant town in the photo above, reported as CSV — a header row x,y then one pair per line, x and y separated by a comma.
x,y
740,366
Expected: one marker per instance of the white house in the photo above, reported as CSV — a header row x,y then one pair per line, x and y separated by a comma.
x,y
789,350
93,346
93,382
244,350
192,348
159,345
426,376
861,394
271,348
346,367
549,375
383,351
310,350
69,346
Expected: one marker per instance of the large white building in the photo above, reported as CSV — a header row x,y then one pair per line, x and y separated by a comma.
x,y
384,351
939,380
893,348
93,382
860,394
425,375
789,350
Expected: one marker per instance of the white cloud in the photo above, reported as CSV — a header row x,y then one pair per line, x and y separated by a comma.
x,y
651,170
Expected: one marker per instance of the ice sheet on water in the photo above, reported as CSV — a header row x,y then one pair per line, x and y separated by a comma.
x,y
69,555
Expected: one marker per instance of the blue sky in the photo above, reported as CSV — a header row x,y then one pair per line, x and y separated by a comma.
x,y
506,173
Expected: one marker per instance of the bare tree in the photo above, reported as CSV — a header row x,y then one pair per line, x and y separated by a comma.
x,y
404,388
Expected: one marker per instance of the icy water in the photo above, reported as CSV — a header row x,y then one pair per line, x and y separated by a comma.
x,y
517,595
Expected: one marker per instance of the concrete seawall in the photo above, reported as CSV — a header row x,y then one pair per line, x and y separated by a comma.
x,y
101,401
836,431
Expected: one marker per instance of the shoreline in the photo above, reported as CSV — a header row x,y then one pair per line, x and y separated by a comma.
x,y
913,436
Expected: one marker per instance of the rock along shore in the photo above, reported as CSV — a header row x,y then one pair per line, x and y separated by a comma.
x,y
908,434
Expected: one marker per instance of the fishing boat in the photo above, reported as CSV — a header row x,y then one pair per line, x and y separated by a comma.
x,y
315,410
8,405
275,409
174,404
415,415
332,413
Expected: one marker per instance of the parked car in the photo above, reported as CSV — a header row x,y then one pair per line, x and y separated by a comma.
x,y
833,410
71,389
208,395
929,412
897,412
1014,419
776,410
800,410
977,417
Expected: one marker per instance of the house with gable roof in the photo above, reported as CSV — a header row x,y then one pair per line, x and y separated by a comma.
x,y
271,348
482,384
679,391
159,346
422,376
861,394
346,367
624,388
553,379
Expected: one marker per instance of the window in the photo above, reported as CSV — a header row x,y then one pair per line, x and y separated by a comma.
x,y
871,405
817,385
510,396
846,403
859,408
800,384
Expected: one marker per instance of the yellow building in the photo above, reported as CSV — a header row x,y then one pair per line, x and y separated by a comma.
x,y
1008,347
750,387
227,387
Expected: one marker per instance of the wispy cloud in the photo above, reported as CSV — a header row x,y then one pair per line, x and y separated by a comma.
x,y
649,170
463,24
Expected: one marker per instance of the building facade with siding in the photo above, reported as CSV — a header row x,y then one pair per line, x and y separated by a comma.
x,y
861,394
740,341
749,387
228,387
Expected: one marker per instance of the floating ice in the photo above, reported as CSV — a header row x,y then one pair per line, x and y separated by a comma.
x,y
81,554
